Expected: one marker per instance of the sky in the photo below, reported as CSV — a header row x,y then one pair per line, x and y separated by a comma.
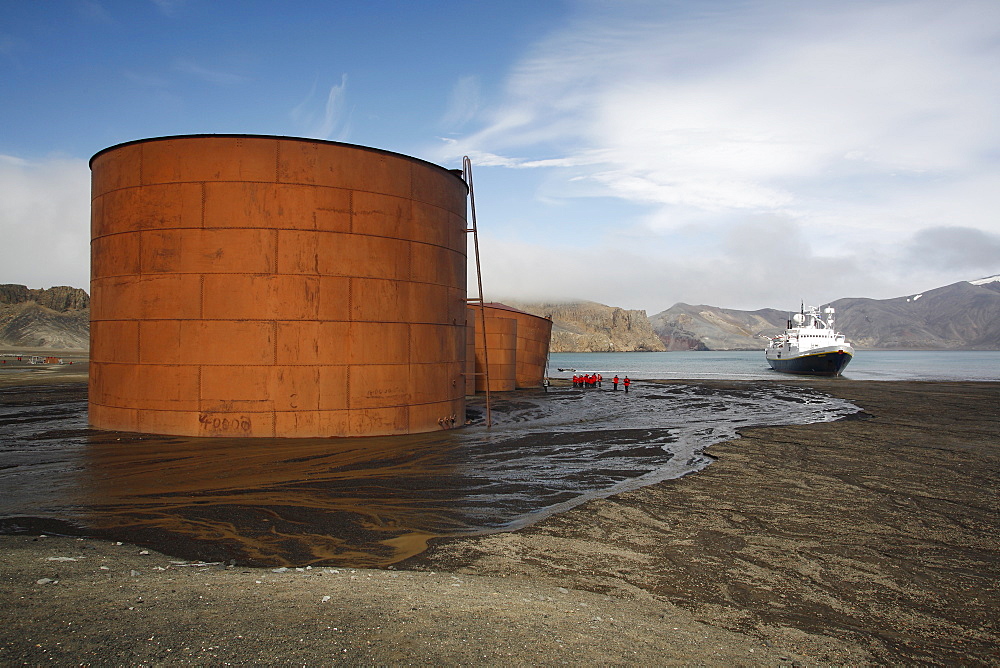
x,y
638,153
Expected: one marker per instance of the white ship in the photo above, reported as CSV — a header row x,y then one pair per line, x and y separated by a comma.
x,y
810,345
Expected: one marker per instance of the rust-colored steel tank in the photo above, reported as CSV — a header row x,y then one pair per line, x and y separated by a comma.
x,y
273,286
518,350
531,344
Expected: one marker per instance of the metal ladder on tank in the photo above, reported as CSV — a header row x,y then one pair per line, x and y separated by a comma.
x,y
467,176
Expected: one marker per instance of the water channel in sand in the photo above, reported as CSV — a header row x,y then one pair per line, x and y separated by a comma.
x,y
364,501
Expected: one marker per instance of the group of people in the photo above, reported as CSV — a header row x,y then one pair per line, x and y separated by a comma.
x,y
594,380
587,380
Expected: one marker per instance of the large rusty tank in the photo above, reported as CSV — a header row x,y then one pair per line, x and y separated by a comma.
x,y
272,286
518,347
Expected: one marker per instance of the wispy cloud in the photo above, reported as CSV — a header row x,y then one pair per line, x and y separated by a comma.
x,y
856,123
169,7
331,121
336,124
212,76
464,103
92,11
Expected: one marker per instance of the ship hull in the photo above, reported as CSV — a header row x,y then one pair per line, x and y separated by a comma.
x,y
812,363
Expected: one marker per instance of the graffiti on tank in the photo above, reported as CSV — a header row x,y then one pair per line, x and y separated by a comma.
x,y
226,424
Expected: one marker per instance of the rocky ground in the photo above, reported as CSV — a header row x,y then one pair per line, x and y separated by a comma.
x,y
873,540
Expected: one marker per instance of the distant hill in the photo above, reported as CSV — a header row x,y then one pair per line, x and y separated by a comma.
x,y
686,327
57,318
961,316
584,326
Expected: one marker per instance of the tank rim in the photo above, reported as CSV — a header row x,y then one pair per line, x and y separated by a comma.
x,y
454,172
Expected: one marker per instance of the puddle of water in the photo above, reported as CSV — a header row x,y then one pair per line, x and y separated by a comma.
x,y
364,501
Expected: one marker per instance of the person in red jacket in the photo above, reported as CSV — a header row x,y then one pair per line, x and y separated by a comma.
x,y
614,381
626,383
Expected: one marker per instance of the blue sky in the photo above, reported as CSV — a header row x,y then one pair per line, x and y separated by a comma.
x,y
638,153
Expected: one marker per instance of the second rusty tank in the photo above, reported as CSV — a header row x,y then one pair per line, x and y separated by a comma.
x,y
518,347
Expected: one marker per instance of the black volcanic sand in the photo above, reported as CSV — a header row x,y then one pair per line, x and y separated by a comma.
x,y
362,502
871,540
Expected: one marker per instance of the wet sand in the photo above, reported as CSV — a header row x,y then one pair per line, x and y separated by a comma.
x,y
871,540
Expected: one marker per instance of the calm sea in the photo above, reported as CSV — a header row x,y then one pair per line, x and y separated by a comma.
x,y
751,365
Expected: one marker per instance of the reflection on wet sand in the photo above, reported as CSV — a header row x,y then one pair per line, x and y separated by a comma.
x,y
283,501
364,501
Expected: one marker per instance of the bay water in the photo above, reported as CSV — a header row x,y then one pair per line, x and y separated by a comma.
x,y
897,365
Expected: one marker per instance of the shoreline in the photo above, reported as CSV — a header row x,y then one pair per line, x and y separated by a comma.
x,y
869,540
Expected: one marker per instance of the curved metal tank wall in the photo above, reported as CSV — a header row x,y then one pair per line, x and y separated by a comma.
x,y
501,337
533,336
271,286
531,346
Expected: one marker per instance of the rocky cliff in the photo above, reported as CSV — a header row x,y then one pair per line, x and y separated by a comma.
x,y
57,318
595,328
687,327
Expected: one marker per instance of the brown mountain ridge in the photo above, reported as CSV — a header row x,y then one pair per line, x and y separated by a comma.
x,y
961,316
57,317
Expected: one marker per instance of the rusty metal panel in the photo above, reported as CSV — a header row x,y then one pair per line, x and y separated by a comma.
x,y
188,159
501,342
117,170
115,341
166,206
203,251
277,206
264,286
116,255
355,168
522,351
313,342
533,337
244,296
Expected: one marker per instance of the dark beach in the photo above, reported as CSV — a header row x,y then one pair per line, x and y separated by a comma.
x,y
874,539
